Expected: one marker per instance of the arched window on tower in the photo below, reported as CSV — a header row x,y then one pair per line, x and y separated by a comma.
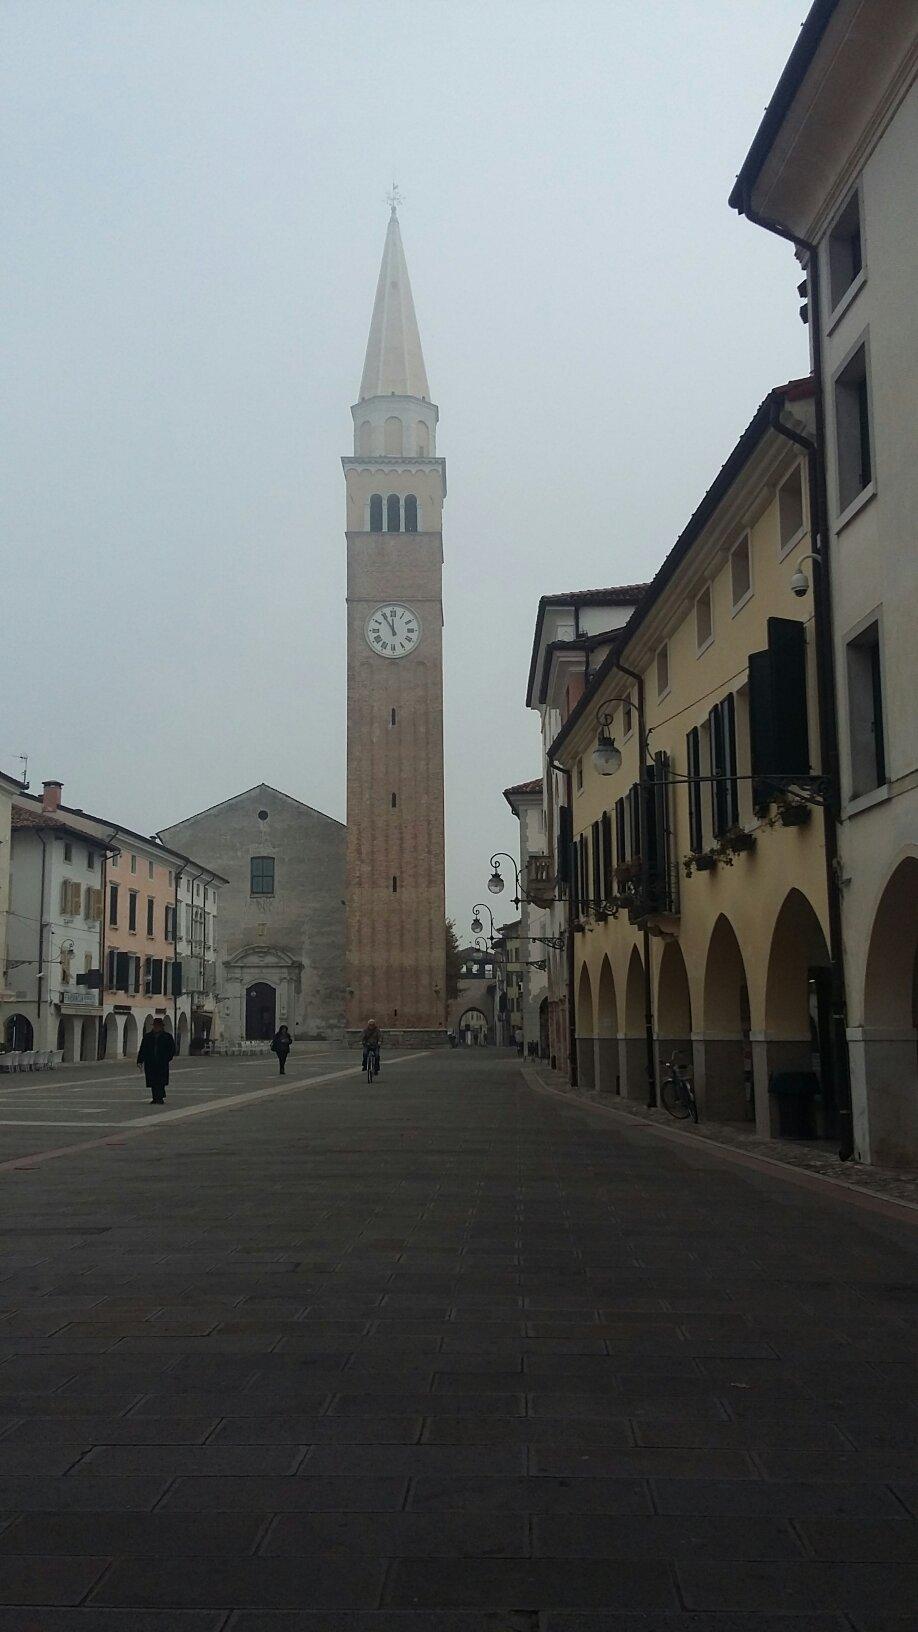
x,y
394,435
364,437
393,513
376,513
411,513
423,439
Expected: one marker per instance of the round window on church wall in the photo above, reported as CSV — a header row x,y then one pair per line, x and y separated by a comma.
x,y
262,815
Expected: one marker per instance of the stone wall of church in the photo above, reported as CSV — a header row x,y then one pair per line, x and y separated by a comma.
x,y
292,938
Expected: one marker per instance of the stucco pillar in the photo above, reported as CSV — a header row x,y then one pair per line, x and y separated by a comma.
x,y
764,1118
885,1101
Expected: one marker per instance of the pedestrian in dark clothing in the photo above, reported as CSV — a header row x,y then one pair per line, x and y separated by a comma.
x,y
281,1046
156,1050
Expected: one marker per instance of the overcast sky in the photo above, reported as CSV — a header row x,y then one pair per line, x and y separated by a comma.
x,y
192,207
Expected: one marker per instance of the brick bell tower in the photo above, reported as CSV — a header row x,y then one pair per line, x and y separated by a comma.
x,y
396,905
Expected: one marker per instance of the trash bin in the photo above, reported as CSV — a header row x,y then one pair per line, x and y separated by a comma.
x,y
796,1093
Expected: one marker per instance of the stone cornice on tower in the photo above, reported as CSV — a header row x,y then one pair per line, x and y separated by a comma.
x,y
394,363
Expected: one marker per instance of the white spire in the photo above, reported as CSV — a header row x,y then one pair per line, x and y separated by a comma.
x,y
395,362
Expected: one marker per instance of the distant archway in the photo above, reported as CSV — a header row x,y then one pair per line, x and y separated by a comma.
x,y
586,1031
182,1038
131,1041
111,1042
473,1028
376,513
393,513
608,1069
20,1034
636,1083
890,1030
727,1090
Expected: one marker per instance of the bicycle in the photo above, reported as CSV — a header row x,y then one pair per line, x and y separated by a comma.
x,y
371,1064
677,1093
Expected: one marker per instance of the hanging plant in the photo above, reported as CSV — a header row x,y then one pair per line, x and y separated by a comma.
x,y
699,861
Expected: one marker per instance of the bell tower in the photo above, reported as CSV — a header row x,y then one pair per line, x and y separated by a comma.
x,y
396,484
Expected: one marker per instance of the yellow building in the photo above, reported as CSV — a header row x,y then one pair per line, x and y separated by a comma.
x,y
698,891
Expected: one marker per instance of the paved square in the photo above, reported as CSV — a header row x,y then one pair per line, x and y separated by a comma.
x,y
445,1355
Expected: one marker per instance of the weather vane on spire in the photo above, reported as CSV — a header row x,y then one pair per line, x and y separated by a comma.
x,y
394,198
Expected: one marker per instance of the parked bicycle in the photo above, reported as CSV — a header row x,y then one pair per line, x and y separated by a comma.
x,y
677,1092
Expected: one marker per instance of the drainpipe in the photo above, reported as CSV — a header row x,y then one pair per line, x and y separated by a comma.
x,y
176,876
572,1076
825,673
828,737
631,674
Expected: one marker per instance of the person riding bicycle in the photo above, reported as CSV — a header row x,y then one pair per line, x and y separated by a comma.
x,y
372,1038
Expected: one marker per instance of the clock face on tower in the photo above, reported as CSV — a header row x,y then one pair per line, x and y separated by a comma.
x,y
392,630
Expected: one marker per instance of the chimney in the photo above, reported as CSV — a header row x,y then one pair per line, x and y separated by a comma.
x,y
51,797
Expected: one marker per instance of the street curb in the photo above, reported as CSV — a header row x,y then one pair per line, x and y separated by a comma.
x,y
870,1200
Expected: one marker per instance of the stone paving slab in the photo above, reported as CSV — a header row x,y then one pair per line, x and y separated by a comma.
x,y
450,1356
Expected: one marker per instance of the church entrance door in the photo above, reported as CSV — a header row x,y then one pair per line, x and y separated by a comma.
x,y
260,1011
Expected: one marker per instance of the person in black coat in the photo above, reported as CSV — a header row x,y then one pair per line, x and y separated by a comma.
x,y
281,1046
156,1050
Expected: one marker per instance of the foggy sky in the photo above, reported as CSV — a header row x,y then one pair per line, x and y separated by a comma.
x,y
192,206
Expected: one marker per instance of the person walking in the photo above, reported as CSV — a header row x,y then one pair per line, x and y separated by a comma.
x,y
156,1050
281,1046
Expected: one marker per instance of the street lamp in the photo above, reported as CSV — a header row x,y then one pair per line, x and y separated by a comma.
x,y
477,925
496,883
606,757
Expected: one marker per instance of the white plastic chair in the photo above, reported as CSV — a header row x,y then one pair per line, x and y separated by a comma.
x,y
9,1061
56,1058
27,1059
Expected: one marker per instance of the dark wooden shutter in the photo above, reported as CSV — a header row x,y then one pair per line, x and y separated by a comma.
x,y
608,881
787,652
718,791
176,980
584,864
599,890
136,974
636,835
761,730
731,786
574,869
564,844
693,769
156,984
122,971
110,957
621,843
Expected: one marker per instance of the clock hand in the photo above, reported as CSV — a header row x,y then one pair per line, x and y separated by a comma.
x,y
391,624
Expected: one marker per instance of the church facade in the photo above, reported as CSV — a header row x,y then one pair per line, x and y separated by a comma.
x,y
396,485
280,930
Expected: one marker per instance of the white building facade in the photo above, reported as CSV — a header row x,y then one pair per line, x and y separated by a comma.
x,y
834,167
527,803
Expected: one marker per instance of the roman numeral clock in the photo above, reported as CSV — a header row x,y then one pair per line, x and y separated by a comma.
x,y
396,484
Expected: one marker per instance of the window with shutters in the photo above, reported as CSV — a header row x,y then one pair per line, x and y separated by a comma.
x,y
149,869
853,431
113,906
169,928
147,976
662,862
68,852
151,915
791,525
132,911
599,883
621,839
865,712
90,861
724,788
123,972
133,864
262,875
156,976
71,897
110,958
704,620
584,865
608,880
663,670
574,870
779,746
694,790
740,573
564,844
